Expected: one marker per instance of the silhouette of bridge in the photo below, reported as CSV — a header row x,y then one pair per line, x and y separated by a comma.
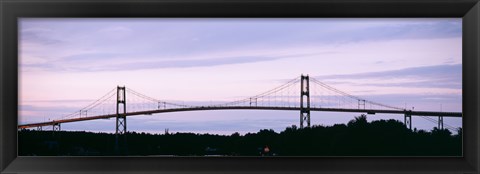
x,y
122,102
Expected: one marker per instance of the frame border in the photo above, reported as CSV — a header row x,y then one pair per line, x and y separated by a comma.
x,y
11,10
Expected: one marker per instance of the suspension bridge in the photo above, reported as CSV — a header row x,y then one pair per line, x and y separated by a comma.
x,y
303,94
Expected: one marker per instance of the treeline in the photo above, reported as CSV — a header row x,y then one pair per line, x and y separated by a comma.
x,y
357,138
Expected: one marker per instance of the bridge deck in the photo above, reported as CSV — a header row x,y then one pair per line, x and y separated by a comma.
x,y
369,111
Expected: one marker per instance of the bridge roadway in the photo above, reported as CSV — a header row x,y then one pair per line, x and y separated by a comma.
x,y
201,108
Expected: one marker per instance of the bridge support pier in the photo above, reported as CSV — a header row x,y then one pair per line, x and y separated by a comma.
x,y
440,122
304,94
408,120
56,127
121,120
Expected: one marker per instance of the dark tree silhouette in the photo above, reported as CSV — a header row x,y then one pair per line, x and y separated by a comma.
x,y
356,138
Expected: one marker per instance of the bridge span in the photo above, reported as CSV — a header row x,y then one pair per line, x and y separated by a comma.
x,y
204,108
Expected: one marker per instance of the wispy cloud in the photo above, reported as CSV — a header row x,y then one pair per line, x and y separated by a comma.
x,y
156,39
441,76
47,108
91,62
38,36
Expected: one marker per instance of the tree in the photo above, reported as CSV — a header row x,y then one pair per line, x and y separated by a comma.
x,y
359,121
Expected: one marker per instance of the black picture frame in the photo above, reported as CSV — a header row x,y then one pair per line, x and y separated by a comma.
x,y
11,10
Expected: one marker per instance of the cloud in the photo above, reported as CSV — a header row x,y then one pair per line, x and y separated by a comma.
x,y
117,62
38,37
116,29
56,102
137,38
441,76
52,109
115,32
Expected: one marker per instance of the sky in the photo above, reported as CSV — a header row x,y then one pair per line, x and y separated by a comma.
x,y
67,63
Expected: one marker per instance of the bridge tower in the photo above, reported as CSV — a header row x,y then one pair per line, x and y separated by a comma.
x,y
304,107
440,122
121,119
408,119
